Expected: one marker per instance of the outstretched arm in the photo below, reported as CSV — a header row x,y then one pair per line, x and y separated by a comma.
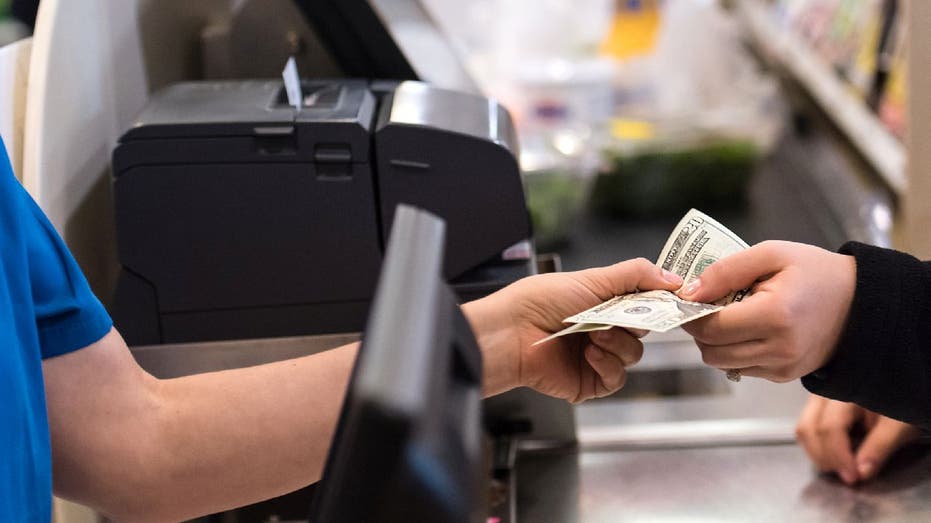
x,y
577,367
854,325
138,448
790,325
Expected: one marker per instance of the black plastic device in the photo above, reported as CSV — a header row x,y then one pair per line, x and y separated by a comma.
x,y
408,445
239,216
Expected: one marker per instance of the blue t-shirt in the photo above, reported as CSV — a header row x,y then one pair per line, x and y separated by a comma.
x,y
46,310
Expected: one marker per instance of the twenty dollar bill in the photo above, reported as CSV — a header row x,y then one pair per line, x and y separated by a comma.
x,y
696,242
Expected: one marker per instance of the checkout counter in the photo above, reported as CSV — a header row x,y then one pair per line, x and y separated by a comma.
x,y
678,443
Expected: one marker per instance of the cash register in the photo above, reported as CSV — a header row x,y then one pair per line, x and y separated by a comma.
x,y
241,216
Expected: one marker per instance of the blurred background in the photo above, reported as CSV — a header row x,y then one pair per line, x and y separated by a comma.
x,y
784,118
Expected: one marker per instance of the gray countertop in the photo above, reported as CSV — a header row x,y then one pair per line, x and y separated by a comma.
x,y
682,444
760,483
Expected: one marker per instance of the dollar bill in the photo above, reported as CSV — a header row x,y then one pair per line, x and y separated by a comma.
x,y
657,311
696,242
578,327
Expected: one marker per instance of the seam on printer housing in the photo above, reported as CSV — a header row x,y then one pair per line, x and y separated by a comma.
x,y
275,306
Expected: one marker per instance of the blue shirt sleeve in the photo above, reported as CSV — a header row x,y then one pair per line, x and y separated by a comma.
x,y
68,315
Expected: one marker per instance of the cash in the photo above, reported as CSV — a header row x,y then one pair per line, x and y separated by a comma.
x,y
695,243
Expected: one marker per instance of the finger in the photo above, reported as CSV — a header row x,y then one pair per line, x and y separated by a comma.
x,y
887,436
733,356
627,276
735,272
610,371
587,378
738,322
833,431
806,431
620,343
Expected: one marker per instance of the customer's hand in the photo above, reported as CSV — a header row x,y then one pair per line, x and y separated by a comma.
x,y
792,321
824,429
575,367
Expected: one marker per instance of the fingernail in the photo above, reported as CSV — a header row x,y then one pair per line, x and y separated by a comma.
x,y
602,337
692,287
596,354
672,277
866,469
849,477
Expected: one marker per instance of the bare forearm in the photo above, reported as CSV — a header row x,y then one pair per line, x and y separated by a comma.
x,y
138,448
269,436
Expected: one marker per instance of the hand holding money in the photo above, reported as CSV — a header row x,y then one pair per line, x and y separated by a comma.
x,y
575,368
695,243
790,326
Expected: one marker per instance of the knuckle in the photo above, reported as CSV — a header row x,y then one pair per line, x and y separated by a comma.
x,y
708,357
827,427
639,264
609,385
770,247
780,315
802,433
699,330
634,354
781,375
791,351
643,263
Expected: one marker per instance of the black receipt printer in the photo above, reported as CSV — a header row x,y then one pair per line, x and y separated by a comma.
x,y
240,216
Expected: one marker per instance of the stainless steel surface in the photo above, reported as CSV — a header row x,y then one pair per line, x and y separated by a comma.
x,y
774,483
182,359
419,103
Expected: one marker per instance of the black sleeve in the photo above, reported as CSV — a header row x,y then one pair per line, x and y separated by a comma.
x,y
883,359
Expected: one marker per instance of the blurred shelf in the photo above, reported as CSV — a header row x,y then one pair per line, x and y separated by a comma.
x,y
885,153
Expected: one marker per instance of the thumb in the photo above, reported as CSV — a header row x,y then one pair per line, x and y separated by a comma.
x,y
735,272
628,276
886,437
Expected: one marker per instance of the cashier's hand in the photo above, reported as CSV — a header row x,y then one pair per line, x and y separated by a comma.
x,y
575,367
792,321
824,429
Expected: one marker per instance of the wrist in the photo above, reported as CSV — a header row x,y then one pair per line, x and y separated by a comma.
x,y
499,345
846,277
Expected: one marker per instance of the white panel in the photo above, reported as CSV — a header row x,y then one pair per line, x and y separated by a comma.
x,y
86,83
14,75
